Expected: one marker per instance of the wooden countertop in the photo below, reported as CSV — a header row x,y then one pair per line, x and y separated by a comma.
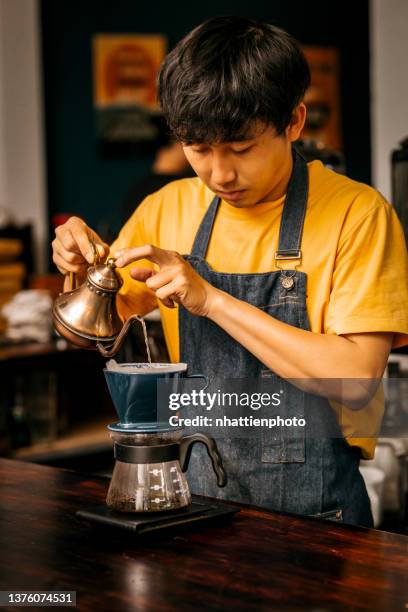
x,y
261,561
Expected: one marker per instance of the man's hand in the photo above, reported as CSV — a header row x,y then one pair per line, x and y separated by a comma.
x,y
72,249
176,281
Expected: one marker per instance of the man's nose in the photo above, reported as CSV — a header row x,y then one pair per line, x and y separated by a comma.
x,y
222,171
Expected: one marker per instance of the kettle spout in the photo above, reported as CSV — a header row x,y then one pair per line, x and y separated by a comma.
x,y
110,351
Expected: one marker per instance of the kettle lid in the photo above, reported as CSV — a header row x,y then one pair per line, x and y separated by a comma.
x,y
104,276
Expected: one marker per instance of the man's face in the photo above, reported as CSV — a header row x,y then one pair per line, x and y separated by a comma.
x,y
248,172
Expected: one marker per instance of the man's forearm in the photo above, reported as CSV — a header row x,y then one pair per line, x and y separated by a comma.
x,y
287,350
294,353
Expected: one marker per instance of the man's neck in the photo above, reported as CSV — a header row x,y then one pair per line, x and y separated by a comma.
x,y
281,187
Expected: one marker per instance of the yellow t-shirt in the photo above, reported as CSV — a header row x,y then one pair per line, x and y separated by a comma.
x,y
353,248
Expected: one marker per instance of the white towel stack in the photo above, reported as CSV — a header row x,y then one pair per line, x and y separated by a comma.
x,y
29,316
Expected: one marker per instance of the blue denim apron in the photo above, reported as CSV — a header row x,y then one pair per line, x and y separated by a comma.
x,y
312,472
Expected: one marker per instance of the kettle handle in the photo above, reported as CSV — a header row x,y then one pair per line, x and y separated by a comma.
x,y
186,446
72,281
72,277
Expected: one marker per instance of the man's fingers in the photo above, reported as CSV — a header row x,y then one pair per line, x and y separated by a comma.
x,y
66,267
75,237
167,294
71,257
83,239
158,256
101,246
161,282
169,303
67,241
159,279
141,274
155,281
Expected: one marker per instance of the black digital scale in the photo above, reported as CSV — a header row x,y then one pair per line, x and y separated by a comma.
x,y
197,514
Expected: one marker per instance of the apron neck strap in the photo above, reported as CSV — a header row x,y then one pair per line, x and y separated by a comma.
x,y
294,211
203,235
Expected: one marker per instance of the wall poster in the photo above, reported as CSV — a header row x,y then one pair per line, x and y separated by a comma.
x,y
125,68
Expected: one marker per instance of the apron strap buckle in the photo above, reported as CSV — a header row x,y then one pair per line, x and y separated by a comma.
x,y
288,255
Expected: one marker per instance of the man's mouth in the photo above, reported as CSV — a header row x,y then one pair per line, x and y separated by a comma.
x,y
231,195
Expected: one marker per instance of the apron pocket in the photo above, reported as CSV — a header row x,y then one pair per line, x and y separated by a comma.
x,y
285,442
282,450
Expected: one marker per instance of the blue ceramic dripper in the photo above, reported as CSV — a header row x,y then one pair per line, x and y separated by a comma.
x,y
134,392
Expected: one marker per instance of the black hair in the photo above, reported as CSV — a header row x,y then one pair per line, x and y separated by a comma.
x,y
228,73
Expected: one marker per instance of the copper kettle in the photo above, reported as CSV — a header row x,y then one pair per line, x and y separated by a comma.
x,y
86,316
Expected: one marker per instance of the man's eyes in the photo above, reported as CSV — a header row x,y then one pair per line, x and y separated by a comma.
x,y
204,150
241,151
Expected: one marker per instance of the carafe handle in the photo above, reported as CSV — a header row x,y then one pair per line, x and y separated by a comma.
x,y
186,446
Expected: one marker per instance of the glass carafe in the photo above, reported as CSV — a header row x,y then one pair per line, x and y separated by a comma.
x,y
149,471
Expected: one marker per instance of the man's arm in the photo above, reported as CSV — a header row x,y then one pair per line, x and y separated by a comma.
x,y
296,353
353,364
311,360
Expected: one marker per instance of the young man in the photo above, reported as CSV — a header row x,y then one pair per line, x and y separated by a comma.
x,y
293,271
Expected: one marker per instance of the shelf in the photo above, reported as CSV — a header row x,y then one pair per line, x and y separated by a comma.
x,y
22,350
85,439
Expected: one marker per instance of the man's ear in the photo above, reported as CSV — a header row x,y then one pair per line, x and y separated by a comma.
x,y
295,127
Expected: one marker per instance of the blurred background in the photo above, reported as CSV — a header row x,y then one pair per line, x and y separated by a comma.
x,y
80,134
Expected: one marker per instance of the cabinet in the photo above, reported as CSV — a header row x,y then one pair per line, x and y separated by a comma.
x,y
54,402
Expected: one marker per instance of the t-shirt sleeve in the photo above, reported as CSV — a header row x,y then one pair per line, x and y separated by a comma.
x,y
370,281
134,297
